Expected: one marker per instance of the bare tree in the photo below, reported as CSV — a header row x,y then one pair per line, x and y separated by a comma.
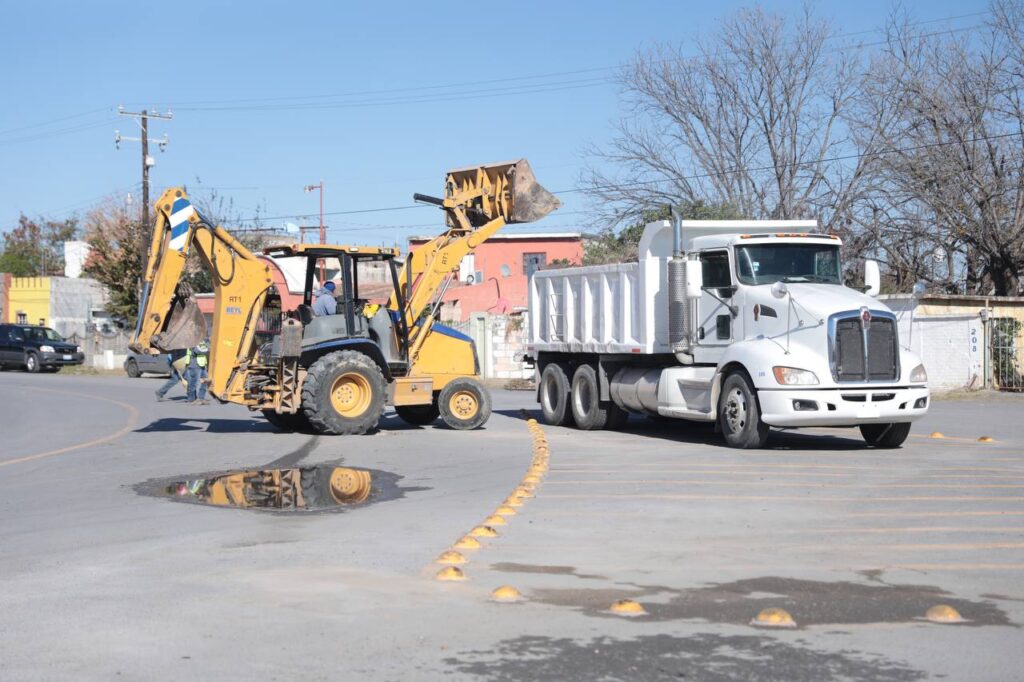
x,y
944,114
755,121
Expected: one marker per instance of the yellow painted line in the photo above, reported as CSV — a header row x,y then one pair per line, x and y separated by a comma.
x,y
907,529
957,566
788,484
71,448
875,473
764,498
930,514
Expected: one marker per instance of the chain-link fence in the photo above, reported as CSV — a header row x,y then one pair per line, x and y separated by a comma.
x,y
1007,354
97,343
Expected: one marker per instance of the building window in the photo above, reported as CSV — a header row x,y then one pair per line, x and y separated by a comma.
x,y
22,318
506,271
532,262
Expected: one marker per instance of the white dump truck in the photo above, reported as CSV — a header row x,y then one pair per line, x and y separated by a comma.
x,y
746,324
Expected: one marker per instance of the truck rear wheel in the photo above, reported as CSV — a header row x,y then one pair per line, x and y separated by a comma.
x,y
418,415
885,435
554,395
739,414
464,404
585,401
343,393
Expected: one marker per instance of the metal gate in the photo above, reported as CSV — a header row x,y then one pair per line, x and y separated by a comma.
x,y
1007,353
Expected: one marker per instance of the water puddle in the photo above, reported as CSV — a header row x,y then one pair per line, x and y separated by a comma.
x,y
323,487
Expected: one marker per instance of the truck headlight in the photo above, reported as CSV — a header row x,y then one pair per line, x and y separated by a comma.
x,y
46,349
791,376
78,349
918,375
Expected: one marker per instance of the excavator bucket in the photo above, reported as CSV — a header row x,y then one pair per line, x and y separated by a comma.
x,y
186,326
511,192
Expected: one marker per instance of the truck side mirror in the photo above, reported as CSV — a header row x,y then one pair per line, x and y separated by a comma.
x,y
694,279
872,278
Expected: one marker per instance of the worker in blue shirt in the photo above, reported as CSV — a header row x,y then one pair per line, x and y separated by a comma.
x,y
325,304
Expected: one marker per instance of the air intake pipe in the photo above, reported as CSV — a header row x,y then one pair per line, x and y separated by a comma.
x,y
678,303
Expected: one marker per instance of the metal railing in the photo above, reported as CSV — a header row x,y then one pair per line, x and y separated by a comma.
x,y
1007,353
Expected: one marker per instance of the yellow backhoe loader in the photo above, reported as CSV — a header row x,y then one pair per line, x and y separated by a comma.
x,y
334,374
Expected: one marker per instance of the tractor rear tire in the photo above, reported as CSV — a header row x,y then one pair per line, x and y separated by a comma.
x,y
419,415
554,395
464,404
288,422
344,393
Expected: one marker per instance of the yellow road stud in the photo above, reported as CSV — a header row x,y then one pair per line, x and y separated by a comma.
x,y
774,618
986,439
627,607
506,593
484,532
467,542
505,510
943,613
936,434
451,558
450,573
514,501
531,478
494,520
523,491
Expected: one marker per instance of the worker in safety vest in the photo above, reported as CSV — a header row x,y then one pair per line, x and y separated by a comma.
x,y
196,360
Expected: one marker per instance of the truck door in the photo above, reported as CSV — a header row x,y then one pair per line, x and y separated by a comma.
x,y
714,315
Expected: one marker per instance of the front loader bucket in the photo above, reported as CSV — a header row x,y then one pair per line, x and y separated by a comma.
x,y
512,192
185,327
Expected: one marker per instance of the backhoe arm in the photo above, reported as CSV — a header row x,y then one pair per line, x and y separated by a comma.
x,y
169,317
478,202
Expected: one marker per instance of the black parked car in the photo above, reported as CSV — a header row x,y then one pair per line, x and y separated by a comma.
x,y
36,348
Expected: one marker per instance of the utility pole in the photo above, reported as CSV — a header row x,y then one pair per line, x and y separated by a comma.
x,y
142,118
323,233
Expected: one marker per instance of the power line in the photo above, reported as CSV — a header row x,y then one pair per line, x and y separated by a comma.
x,y
404,95
56,133
56,120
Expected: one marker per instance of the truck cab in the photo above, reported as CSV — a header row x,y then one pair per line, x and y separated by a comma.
x,y
744,323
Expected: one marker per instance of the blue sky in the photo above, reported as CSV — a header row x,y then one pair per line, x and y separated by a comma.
x,y
268,97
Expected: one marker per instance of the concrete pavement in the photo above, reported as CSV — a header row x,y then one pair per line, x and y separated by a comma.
x,y
98,581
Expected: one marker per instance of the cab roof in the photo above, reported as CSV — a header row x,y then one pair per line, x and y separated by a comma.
x,y
331,251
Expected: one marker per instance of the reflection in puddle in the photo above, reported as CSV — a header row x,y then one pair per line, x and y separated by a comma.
x,y
319,487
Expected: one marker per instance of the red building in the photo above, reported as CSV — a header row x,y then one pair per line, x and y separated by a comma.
x,y
494,278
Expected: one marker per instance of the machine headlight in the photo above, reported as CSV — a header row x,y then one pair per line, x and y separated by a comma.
x,y
78,349
46,349
918,375
791,376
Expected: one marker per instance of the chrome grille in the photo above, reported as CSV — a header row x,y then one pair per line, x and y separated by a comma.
x,y
859,354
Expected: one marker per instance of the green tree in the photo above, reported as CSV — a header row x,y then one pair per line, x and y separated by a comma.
x,y
115,238
35,248
609,246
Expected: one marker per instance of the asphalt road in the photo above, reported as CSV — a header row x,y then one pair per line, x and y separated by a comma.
x,y
99,580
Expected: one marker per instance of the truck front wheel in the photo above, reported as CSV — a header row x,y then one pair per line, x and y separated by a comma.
x,y
739,415
554,395
885,435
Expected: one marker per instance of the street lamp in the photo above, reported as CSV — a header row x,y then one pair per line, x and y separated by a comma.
x,y
323,236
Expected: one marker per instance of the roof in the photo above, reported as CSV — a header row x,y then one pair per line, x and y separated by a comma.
x,y
329,251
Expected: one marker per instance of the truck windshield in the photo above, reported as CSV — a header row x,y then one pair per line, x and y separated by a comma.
x,y
770,263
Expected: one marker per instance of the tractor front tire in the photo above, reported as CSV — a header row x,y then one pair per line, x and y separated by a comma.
x,y
464,404
344,393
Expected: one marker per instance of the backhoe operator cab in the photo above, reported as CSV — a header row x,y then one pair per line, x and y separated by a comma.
x,y
335,373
